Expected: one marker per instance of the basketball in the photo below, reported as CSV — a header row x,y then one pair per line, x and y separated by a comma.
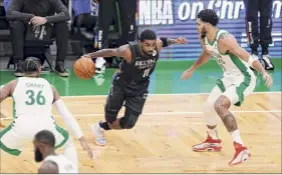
x,y
84,68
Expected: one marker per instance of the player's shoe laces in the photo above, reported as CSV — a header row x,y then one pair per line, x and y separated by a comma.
x,y
99,134
241,155
209,144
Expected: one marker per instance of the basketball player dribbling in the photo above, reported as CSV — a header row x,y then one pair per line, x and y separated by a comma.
x,y
33,97
44,150
130,84
237,83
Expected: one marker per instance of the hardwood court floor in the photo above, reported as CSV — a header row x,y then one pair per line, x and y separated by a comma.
x,y
162,139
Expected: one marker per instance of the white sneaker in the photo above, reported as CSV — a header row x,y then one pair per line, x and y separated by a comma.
x,y
100,65
99,134
267,62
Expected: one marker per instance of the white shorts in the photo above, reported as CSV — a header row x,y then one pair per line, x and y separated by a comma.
x,y
23,129
236,88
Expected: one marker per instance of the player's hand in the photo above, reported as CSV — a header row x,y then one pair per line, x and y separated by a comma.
x,y
86,56
37,21
86,147
181,40
187,74
268,79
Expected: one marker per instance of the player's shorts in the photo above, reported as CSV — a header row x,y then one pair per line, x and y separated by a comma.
x,y
236,88
23,129
119,96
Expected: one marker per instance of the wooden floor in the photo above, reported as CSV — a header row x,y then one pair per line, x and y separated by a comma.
x,y
162,139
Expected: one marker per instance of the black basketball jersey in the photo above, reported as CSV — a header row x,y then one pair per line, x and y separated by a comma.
x,y
138,71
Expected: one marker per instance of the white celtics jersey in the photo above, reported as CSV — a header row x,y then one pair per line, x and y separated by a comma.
x,y
33,97
64,165
230,64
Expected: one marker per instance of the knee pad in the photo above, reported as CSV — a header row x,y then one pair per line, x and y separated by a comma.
x,y
210,114
110,114
130,118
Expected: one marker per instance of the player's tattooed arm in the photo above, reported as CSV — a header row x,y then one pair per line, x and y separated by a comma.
x,y
228,43
122,51
7,90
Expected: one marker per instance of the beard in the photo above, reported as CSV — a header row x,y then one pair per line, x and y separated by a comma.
x,y
38,156
203,33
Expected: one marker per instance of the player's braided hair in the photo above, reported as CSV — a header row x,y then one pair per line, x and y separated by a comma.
x,y
46,137
209,16
31,65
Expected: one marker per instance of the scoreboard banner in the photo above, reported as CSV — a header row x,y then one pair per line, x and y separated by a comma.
x,y
177,18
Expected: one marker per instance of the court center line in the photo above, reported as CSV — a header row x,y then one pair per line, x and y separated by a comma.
x,y
169,113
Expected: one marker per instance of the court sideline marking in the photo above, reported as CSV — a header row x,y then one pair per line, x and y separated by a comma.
x,y
169,113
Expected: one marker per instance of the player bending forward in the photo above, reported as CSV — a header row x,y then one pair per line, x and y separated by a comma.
x,y
44,150
237,83
33,97
130,84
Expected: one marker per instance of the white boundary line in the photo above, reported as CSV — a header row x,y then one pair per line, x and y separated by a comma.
x,y
188,94
168,113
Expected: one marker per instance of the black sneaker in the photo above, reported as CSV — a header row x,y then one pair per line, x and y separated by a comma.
x,y
60,69
266,61
19,69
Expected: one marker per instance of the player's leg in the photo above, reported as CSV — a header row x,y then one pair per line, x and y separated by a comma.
x,y
234,94
212,143
113,105
252,24
134,106
10,141
265,31
64,140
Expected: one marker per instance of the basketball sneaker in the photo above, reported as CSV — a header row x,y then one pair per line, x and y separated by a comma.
x,y
209,144
241,155
266,62
99,134
100,65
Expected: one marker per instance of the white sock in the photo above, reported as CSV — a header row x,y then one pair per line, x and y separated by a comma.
x,y
213,133
236,137
70,151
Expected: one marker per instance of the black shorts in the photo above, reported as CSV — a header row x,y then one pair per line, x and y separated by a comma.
x,y
119,96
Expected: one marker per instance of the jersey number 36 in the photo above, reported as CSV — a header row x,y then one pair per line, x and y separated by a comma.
x,y
35,98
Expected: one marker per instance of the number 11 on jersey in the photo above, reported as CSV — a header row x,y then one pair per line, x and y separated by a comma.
x,y
146,72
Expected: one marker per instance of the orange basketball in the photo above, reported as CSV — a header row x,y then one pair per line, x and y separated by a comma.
x,y
84,68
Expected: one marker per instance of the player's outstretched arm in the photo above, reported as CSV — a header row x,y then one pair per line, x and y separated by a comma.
x,y
48,167
7,90
203,59
70,120
165,42
230,44
122,51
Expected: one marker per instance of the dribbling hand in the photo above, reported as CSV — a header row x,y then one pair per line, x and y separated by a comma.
x,y
268,79
187,74
86,56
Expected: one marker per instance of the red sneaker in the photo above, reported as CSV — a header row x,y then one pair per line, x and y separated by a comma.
x,y
209,144
241,155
